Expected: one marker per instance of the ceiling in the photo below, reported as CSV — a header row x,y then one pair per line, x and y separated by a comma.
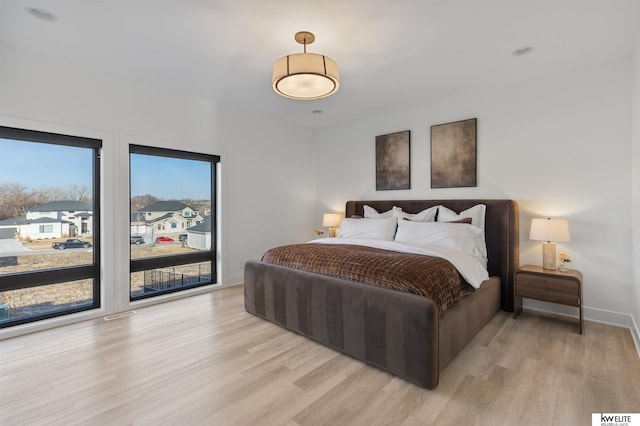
x,y
391,54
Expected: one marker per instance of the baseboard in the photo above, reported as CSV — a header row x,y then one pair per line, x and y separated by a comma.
x,y
234,279
592,314
635,333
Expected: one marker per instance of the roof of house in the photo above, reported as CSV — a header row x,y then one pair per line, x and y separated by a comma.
x,y
22,221
62,206
13,221
204,226
165,206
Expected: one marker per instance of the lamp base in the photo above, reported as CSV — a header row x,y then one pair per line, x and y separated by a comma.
x,y
549,256
332,231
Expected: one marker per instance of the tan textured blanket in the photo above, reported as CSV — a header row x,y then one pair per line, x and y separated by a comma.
x,y
432,277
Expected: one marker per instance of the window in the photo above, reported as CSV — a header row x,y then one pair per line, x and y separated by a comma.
x,y
46,229
164,184
43,178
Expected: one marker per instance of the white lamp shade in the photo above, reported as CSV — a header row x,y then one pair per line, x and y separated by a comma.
x,y
331,219
305,76
549,230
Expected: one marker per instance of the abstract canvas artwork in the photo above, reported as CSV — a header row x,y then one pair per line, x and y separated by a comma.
x,y
453,154
393,170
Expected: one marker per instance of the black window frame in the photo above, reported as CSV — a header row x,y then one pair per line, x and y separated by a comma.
x,y
41,277
145,264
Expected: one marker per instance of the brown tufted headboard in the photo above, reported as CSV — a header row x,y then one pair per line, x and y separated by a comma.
x,y
501,233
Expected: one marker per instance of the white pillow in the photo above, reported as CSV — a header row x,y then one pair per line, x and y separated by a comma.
x,y
371,213
460,236
476,213
426,215
378,229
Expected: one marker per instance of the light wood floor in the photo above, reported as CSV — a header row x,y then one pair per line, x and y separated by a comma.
x,y
205,361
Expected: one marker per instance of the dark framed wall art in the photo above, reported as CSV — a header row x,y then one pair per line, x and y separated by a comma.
x,y
453,154
393,155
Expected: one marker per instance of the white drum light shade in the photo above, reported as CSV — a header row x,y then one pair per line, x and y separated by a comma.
x,y
331,220
549,230
305,76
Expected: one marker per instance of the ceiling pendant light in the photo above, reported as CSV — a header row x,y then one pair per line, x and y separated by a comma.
x,y
305,76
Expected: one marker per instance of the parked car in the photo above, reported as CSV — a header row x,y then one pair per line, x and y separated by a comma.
x,y
136,239
164,240
182,237
71,243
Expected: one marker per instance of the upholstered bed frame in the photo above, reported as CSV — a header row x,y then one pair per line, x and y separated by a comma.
x,y
398,332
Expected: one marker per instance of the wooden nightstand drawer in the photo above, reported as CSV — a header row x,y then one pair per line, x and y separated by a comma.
x,y
553,286
549,289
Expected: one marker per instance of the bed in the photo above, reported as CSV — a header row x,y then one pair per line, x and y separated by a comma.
x,y
403,333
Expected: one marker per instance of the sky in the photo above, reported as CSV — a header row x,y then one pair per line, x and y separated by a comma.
x,y
40,165
170,178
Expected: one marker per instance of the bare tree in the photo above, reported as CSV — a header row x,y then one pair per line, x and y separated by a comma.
x,y
77,193
15,199
52,194
140,201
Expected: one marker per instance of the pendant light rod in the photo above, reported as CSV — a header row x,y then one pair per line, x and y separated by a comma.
x,y
304,38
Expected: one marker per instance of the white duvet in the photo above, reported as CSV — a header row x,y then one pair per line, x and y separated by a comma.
x,y
471,268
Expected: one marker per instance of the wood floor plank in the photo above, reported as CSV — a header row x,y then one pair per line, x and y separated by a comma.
x,y
203,360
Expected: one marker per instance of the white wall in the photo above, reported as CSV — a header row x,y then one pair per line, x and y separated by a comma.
x,y
559,145
635,162
268,176
269,186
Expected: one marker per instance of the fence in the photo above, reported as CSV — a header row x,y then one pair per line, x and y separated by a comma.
x,y
159,279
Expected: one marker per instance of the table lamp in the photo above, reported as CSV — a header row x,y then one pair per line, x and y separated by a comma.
x,y
331,220
550,231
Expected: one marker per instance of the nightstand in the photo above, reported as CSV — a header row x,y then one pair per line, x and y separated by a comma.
x,y
548,285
